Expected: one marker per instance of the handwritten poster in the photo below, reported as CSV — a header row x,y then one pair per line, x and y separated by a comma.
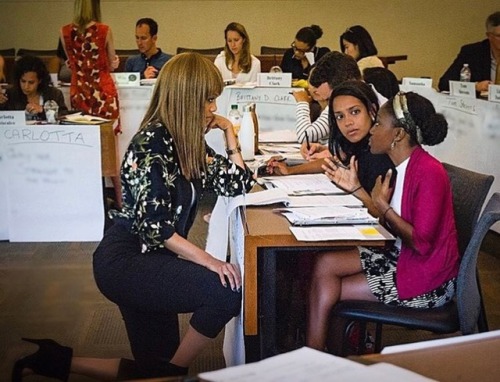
x,y
53,182
275,109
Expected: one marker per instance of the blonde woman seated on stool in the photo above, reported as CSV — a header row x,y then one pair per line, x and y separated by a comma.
x,y
236,62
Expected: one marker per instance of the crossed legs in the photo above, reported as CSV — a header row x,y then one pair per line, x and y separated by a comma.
x,y
337,275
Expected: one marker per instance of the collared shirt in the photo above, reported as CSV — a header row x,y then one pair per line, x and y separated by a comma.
x,y
493,69
140,62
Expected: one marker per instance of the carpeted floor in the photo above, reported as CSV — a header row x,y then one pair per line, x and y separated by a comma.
x,y
47,291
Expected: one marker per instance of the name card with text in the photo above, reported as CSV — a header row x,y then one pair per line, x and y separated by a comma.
x,y
494,93
127,79
421,82
463,89
279,80
12,118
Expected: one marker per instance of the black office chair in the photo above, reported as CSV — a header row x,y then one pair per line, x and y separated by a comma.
x,y
466,313
36,52
8,52
272,50
126,52
206,52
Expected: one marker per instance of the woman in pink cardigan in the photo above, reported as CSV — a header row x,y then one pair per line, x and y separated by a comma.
x,y
419,270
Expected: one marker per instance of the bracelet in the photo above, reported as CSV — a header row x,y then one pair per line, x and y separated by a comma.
x,y
234,151
356,189
386,211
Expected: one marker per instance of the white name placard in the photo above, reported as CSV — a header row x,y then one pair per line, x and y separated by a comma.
x,y
421,82
12,118
278,80
494,93
127,79
463,89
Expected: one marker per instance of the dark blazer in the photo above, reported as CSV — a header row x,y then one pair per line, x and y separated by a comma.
x,y
478,56
291,65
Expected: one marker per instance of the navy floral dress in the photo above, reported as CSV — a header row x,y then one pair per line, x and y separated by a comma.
x,y
158,200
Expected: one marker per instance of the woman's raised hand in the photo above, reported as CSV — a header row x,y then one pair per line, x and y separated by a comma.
x,y
382,192
343,176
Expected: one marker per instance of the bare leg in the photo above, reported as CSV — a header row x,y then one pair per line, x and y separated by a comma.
x,y
336,276
191,346
98,368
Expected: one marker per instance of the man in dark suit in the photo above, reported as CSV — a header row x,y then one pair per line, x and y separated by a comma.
x,y
483,58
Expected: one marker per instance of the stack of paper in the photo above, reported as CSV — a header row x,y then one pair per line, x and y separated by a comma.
x,y
327,215
306,364
338,232
81,119
305,184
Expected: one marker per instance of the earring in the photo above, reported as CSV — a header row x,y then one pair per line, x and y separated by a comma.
x,y
393,144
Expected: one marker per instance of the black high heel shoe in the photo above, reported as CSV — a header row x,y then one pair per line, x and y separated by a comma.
x,y
50,360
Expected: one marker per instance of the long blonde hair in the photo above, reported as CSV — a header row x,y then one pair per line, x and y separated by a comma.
x,y
183,87
86,11
245,61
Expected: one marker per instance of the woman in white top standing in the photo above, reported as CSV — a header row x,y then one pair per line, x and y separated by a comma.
x,y
357,43
236,62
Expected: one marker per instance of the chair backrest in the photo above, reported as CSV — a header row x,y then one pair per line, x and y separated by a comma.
x,y
468,293
8,52
469,192
272,50
35,52
127,52
207,51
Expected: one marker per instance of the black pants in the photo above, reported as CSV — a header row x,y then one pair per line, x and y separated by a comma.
x,y
151,289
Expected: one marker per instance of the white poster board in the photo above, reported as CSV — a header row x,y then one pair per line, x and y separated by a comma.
x,y
275,109
54,184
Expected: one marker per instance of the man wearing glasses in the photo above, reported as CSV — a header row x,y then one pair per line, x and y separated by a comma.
x,y
483,58
303,53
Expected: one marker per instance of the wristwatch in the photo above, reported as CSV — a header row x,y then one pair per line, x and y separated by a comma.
x,y
234,151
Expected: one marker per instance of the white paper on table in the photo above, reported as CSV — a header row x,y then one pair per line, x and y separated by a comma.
x,y
323,200
326,233
306,364
304,184
327,215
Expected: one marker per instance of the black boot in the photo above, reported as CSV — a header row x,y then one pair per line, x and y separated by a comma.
x,y
51,360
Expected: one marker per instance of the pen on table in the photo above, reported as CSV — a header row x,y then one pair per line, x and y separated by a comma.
x,y
307,141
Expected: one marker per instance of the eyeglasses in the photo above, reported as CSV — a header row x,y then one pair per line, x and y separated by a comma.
x,y
295,49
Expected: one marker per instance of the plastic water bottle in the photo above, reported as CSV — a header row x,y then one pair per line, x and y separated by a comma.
x,y
247,134
51,108
465,73
235,117
255,119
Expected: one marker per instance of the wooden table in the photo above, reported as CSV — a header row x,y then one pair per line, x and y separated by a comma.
x,y
269,233
388,60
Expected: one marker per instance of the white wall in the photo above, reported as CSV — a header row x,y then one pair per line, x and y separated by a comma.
x,y
430,32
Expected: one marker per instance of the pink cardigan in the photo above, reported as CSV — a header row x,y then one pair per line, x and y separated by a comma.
x,y
427,205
